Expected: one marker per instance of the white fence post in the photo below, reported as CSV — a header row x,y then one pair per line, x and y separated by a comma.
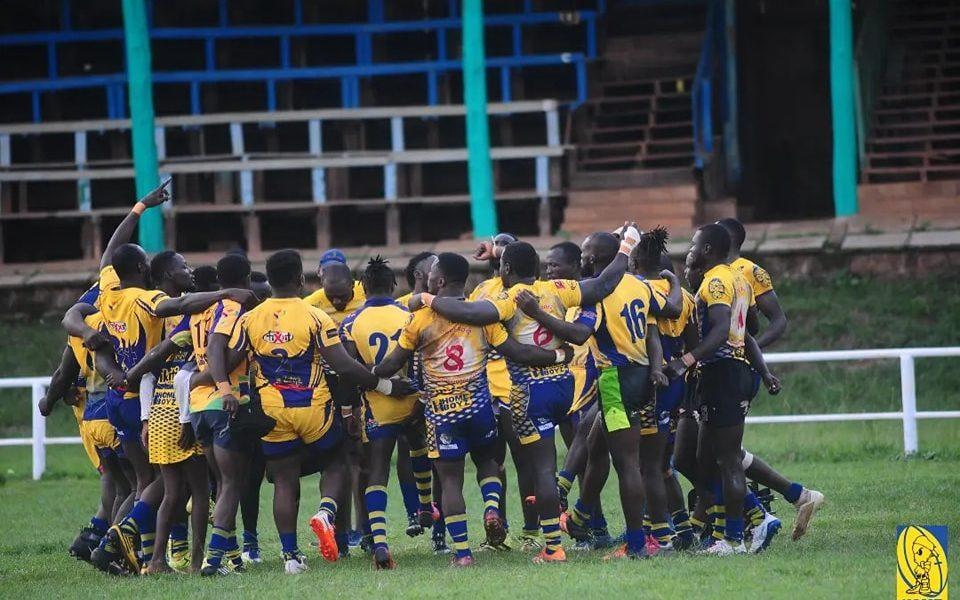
x,y
908,396
39,433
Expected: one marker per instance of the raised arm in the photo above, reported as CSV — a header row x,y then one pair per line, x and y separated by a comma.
x,y
532,355
124,231
769,305
60,381
189,304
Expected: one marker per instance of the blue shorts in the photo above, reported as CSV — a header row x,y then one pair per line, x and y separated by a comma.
x,y
124,415
212,427
578,416
669,400
539,405
452,441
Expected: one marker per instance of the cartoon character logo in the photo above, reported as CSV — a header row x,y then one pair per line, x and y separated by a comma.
x,y
922,562
762,277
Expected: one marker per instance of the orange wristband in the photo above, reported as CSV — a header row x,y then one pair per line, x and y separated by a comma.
x,y
427,299
139,207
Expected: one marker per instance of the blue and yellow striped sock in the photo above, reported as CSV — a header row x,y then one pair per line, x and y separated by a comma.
x,y
580,514
663,531
491,489
753,509
551,534
647,525
329,505
250,540
457,528
375,497
681,521
718,519
219,546
565,480
733,531
423,474
288,542
178,538
99,526
697,525
142,521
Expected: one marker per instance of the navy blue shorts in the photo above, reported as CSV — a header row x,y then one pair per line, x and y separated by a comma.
x,y
669,400
452,441
124,415
538,406
212,427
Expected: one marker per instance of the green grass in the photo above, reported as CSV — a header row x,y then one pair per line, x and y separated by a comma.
x,y
849,551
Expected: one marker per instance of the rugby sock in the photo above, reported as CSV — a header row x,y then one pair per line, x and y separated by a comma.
x,y
178,538
636,541
580,514
411,498
457,528
99,526
423,474
682,522
288,542
439,526
491,489
375,498
329,505
142,521
793,492
663,532
647,525
565,480
551,534
734,531
598,521
250,541
717,521
233,553
696,524
753,509
219,545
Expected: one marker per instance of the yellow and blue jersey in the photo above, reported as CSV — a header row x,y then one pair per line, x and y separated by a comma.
x,y
624,316
583,365
497,374
454,359
195,333
671,330
318,299
285,336
375,329
757,277
555,297
130,321
722,285
91,388
174,328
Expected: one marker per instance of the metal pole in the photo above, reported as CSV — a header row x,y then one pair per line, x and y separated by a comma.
x,y
140,89
908,396
844,115
39,433
483,211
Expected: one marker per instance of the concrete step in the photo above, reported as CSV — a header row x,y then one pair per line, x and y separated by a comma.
x,y
599,180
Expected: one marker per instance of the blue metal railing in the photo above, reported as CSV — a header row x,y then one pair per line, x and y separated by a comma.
x,y
363,65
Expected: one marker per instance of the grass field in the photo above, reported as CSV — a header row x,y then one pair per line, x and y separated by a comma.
x,y
849,551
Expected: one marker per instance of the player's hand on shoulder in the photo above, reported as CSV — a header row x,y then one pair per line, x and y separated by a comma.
x,y
527,302
240,296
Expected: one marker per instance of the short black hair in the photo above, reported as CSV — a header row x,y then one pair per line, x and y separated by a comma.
x,y
412,266
284,268
607,245
716,235
334,270
160,264
233,270
454,267
569,251
736,230
666,264
522,258
652,245
258,277
378,277
126,259
205,278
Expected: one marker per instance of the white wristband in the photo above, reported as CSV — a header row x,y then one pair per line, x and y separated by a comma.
x,y
385,386
561,356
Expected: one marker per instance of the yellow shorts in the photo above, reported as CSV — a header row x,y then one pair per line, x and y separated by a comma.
x,y
95,435
316,425
163,439
499,379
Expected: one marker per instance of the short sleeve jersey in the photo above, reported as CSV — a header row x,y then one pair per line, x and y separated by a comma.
x,y
130,321
625,314
285,336
724,286
375,329
671,330
756,276
454,358
223,318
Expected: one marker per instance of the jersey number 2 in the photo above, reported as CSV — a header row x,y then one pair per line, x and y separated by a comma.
x,y
380,341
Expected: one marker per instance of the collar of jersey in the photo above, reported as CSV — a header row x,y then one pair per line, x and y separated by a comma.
x,y
379,301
